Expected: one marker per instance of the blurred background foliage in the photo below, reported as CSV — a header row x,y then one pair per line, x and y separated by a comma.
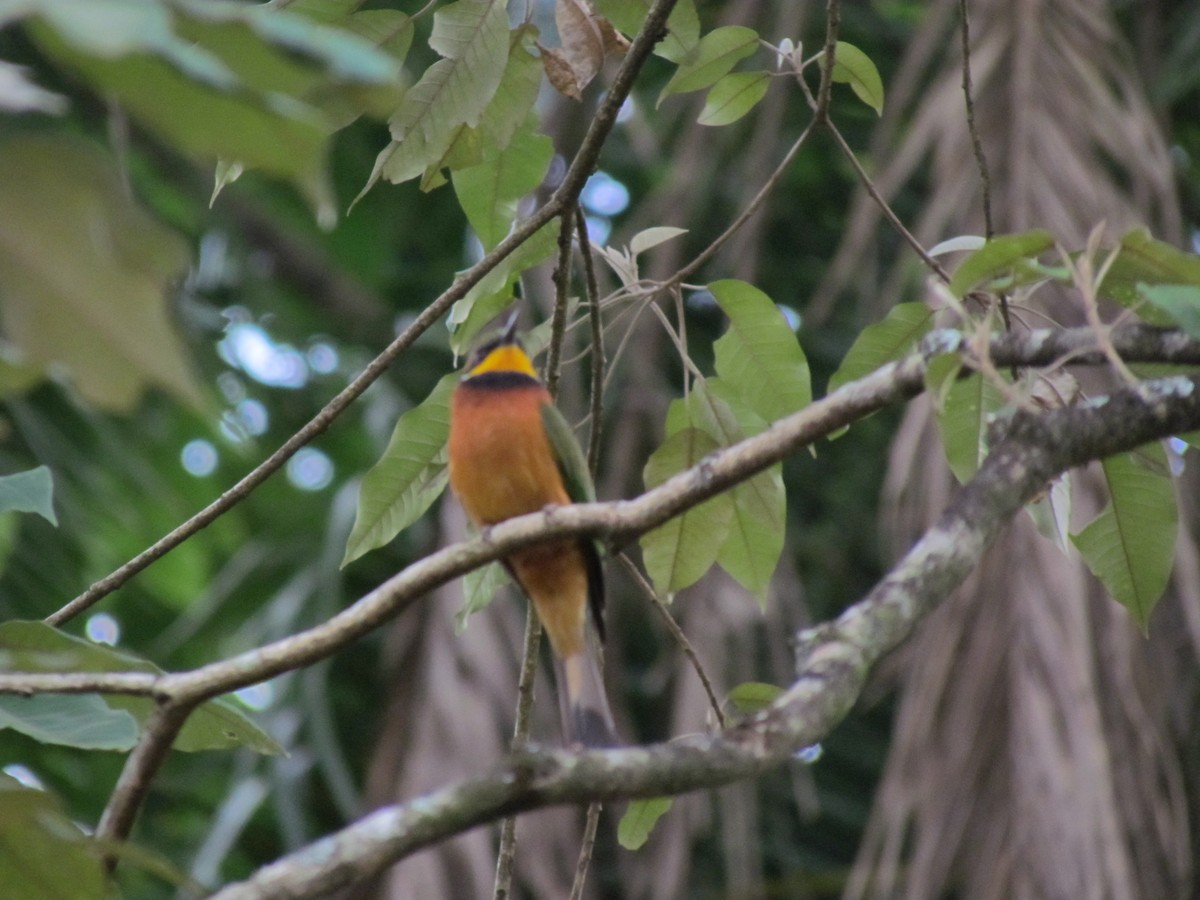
x,y
151,378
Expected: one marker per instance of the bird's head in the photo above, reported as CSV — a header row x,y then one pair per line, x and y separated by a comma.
x,y
502,352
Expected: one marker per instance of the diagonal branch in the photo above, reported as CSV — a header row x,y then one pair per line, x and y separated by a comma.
x,y
563,199
1029,450
620,520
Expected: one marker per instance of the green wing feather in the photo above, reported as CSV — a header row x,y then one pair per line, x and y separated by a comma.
x,y
569,455
578,482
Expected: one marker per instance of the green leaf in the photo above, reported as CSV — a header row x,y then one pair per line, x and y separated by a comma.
x,y
74,720
1143,261
639,820
43,854
759,355
649,238
852,66
733,96
1130,546
85,272
490,192
750,553
410,475
963,423
479,587
472,36
679,552
510,111
940,376
37,647
754,696
30,492
998,257
261,86
494,292
683,24
1179,301
876,345
711,59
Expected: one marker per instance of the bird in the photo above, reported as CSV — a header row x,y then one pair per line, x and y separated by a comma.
x,y
511,452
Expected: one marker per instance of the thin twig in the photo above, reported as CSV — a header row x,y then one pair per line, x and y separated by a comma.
x,y
751,208
507,854
596,385
564,196
977,147
976,143
562,290
933,265
833,22
142,764
685,645
585,849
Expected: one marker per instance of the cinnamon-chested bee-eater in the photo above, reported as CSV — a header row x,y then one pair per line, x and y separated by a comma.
x,y
511,453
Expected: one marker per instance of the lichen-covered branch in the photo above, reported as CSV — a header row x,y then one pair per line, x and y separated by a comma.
x,y
1029,449
620,521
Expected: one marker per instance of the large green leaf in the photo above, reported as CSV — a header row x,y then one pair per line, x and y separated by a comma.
x,y
679,552
472,37
490,192
82,720
409,476
639,820
43,854
1179,301
494,292
37,647
756,533
1145,262
732,97
962,421
998,258
853,67
84,274
711,59
510,111
31,492
1130,546
255,81
893,338
759,355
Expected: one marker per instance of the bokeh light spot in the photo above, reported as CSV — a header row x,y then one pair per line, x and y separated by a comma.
x,y
310,470
199,457
103,629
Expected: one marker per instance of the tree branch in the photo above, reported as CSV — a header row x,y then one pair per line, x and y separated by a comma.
x,y
622,520
563,198
834,659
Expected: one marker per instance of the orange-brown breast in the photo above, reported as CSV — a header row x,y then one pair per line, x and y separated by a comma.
x,y
501,465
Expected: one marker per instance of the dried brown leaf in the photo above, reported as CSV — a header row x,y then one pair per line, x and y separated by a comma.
x,y
561,75
582,43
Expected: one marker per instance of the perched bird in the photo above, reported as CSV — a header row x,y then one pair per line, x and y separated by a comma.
x,y
511,453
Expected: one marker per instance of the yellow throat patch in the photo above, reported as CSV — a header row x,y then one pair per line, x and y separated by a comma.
x,y
505,358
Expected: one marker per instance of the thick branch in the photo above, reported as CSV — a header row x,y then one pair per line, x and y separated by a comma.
x,y
1029,450
618,520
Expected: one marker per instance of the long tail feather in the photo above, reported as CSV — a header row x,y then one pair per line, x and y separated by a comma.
x,y
586,717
